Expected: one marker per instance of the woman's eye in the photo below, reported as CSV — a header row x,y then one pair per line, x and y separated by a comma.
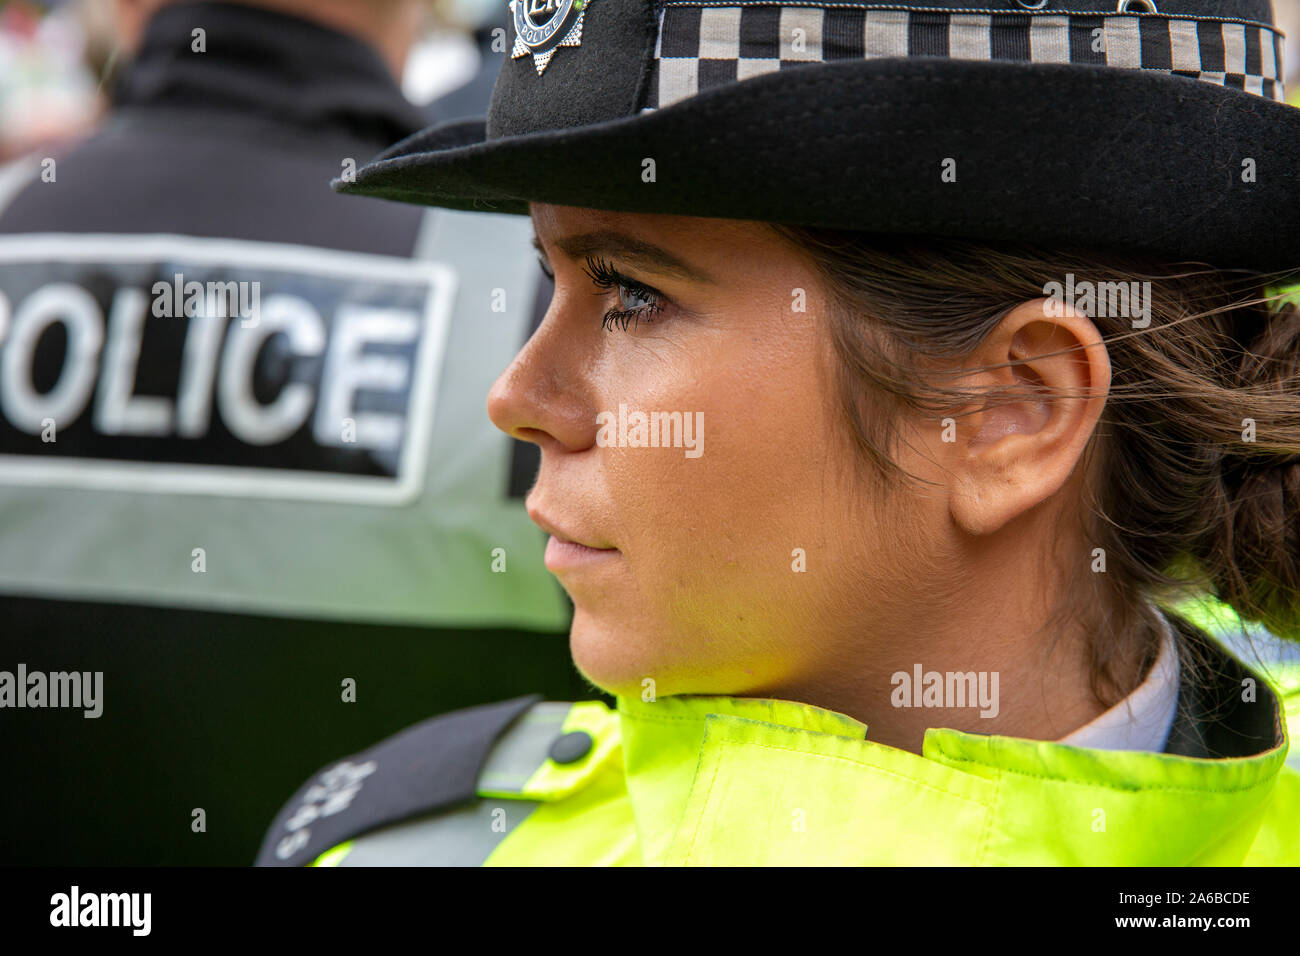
x,y
636,302
629,299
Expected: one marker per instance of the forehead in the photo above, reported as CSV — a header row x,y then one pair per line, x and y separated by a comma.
x,y
696,238
554,221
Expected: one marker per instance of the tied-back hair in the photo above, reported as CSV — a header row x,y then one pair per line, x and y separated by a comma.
x,y
1193,472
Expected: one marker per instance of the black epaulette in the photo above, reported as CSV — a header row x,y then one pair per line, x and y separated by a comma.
x,y
431,766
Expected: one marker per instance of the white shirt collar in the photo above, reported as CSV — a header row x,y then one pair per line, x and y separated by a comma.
x,y
1143,719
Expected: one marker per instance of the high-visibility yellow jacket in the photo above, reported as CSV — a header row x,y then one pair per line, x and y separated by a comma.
x,y
724,780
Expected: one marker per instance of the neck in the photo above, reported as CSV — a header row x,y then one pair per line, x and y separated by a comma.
x,y
974,656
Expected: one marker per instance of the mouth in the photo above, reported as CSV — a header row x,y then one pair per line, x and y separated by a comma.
x,y
566,550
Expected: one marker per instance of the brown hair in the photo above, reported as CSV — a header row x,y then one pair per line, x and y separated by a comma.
x,y
1184,495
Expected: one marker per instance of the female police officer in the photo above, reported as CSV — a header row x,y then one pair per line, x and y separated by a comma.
x,y
973,303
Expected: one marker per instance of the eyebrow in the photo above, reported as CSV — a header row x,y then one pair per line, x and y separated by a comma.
x,y
638,251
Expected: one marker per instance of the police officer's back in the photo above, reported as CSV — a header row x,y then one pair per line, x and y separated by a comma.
x,y
246,470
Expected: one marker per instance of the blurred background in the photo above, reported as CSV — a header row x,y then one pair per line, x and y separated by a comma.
x,y
59,58
403,563
281,543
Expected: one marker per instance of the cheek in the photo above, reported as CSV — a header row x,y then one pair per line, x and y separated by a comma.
x,y
713,535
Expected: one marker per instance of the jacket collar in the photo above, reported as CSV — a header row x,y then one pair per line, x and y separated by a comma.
x,y
1143,719
1224,709
257,61
726,780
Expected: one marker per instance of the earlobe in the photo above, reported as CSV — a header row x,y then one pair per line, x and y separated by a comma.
x,y
1044,378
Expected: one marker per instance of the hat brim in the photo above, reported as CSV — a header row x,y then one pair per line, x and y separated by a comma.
x,y
1057,154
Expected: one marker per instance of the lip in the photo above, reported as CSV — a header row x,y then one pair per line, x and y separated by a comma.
x,y
567,550
564,555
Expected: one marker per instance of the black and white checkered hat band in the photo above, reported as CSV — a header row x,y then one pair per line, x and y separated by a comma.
x,y
703,44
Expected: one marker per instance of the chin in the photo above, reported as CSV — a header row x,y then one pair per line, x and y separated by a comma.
x,y
619,657
611,658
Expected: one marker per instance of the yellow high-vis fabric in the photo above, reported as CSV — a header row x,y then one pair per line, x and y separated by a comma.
x,y
737,781
703,780
730,781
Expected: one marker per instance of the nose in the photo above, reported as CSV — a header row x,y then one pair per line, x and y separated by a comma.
x,y
543,395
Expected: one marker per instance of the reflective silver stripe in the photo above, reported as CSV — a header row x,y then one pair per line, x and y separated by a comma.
x,y
524,747
467,837
463,837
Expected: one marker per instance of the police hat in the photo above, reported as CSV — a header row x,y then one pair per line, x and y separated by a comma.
x,y
1146,126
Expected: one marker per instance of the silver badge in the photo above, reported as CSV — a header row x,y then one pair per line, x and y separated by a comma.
x,y
542,26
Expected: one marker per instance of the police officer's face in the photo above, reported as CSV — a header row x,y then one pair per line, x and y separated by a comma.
x,y
740,553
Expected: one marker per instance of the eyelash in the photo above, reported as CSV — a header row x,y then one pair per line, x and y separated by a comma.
x,y
606,277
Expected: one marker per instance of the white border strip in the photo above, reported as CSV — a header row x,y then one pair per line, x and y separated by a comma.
x,y
226,481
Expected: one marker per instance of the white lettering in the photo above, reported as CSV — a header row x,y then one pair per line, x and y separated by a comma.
x,y
240,410
348,370
62,302
117,411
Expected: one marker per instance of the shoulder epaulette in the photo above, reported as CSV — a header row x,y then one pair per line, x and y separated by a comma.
x,y
431,766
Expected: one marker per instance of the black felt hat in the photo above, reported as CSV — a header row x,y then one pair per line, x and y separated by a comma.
x,y
1150,126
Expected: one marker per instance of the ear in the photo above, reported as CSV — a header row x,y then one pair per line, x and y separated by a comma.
x,y
1050,374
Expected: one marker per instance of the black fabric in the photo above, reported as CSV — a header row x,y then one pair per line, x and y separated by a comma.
x,y
760,32
607,81
844,34
1010,40
717,72
1212,720
258,61
1157,52
927,36
240,141
1254,58
429,767
217,175
1059,154
681,32
1082,31
1213,55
